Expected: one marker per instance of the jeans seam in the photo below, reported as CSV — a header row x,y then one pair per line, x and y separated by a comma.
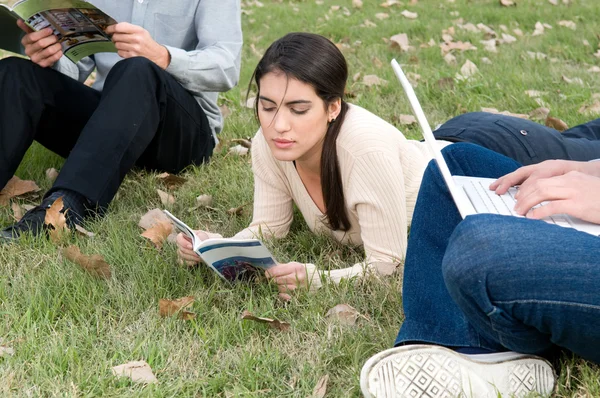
x,y
550,302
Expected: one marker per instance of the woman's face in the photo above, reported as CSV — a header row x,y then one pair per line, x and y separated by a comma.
x,y
293,118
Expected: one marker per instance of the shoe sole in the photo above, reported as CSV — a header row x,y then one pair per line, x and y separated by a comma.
x,y
437,372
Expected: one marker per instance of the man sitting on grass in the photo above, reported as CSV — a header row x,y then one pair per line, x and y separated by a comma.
x,y
487,297
154,104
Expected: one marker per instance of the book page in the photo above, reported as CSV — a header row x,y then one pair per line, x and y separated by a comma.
x,y
10,33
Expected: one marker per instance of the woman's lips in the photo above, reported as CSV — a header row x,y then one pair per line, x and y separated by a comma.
x,y
282,144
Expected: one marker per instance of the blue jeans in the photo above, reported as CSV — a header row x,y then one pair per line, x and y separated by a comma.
x,y
523,140
497,282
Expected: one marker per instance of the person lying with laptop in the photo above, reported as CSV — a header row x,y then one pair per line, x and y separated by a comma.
x,y
490,299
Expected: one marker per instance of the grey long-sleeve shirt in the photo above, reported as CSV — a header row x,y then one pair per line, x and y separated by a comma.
x,y
204,38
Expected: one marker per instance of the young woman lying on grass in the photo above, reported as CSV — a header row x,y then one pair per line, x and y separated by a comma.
x,y
351,174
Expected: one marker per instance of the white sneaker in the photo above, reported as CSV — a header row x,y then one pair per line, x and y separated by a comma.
x,y
434,371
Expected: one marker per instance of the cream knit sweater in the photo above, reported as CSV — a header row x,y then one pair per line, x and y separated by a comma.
x,y
381,173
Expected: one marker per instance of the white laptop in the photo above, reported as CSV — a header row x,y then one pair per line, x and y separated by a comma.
x,y
472,194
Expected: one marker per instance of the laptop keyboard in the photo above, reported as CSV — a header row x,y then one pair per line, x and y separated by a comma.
x,y
486,201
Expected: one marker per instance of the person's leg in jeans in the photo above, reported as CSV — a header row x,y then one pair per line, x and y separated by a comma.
x,y
431,315
525,284
142,116
523,140
420,365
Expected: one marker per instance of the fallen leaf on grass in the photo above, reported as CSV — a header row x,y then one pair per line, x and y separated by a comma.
x,y
535,93
171,307
409,14
274,323
151,218
450,59
250,102
225,111
382,15
246,143
539,113
17,211
406,119
204,200
93,264
593,109
84,232
236,211
56,218
357,3
165,198
16,187
158,233
373,80
389,3
343,314
238,150
568,24
51,174
445,83
446,47
539,29
556,123
575,80
507,3
171,181
467,70
6,351
594,69
137,371
320,388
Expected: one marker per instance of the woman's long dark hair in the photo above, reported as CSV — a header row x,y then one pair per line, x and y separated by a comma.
x,y
314,60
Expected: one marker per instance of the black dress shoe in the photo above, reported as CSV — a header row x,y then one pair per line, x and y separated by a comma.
x,y
33,222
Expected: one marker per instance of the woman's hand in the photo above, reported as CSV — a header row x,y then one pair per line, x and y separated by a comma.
x,y
135,41
288,277
574,193
184,248
42,47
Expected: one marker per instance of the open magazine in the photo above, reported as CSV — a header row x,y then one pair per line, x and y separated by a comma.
x,y
231,259
78,25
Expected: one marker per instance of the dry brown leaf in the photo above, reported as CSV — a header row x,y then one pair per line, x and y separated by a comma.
x,y
539,29
84,232
246,143
16,187
165,198
250,102
400,41
159,233
593,109
537,55
94,264
535,93
204,200
518,32
540,113
446,83
489,45
568,24
447,47
171,307
51,174
151,218
137,371
407,119
389,3
171,181
575,80
368,24
594,69
225,111
467,70
274,323
556,123
373,80
450,59
56,218
343,314
236,211
507,3
469,27
320,388
6,351
17,211
382,15
238,150
486,60
507,39
409,14
553,2
377,62
357,3
487,30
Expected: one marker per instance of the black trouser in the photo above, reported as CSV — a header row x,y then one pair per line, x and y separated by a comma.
x,y
142,117
523,140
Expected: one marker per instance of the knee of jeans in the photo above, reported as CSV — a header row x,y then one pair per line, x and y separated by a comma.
x,y
14,64
135,65
470,251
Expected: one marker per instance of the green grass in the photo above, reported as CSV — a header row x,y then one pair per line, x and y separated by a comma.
x,y
68,329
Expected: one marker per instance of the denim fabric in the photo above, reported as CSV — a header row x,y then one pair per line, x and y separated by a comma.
x,y
496,282
523,140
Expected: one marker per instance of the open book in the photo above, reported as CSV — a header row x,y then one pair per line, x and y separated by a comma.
x,y
231,259
78,25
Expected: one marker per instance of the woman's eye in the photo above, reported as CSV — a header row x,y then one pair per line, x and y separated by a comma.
x,y
265,109
297,112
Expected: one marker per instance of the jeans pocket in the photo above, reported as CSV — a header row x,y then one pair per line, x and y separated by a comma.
x,y
512,126
449,134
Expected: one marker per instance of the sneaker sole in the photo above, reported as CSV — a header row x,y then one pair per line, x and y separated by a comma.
x,y
437,372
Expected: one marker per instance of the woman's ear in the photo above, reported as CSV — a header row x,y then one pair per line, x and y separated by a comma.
x,y
333,109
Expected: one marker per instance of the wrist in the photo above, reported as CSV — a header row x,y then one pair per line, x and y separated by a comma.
x,y
165,59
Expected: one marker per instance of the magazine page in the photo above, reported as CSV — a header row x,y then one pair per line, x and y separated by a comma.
x,y
78,25
235,259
